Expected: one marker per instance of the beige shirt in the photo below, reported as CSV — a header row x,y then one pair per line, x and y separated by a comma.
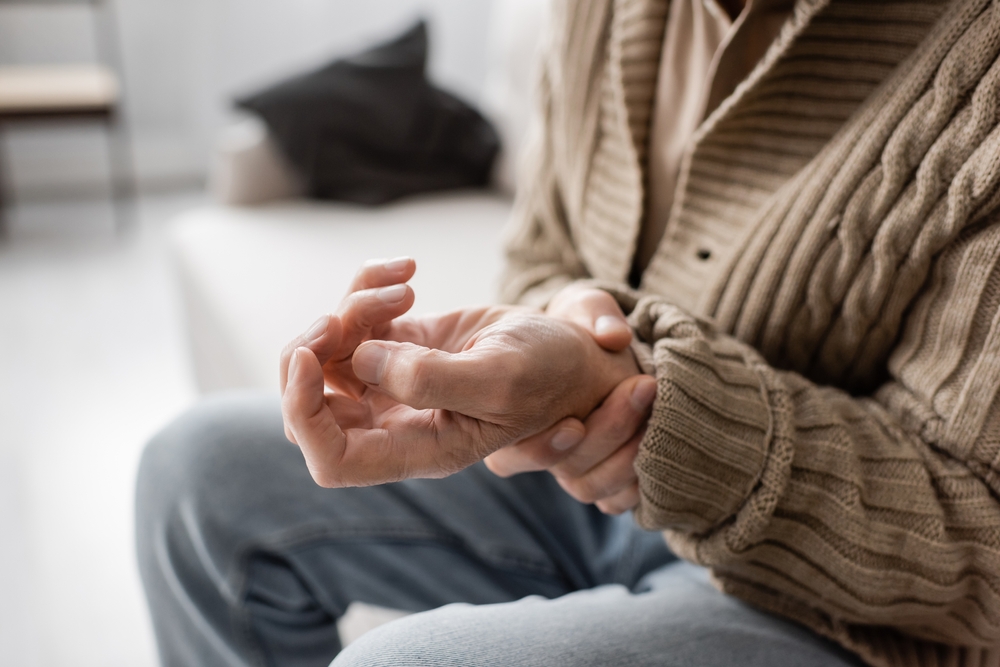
x,y
705,56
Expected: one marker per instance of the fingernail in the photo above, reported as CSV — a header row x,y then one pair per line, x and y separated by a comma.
x,y
318,328
643,396
293,365
565,438
369,362
393,294
397,265
607,324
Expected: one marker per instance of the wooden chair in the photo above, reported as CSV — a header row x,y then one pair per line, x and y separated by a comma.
x,y
76,91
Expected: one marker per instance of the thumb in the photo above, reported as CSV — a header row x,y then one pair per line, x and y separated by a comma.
x,y
424,378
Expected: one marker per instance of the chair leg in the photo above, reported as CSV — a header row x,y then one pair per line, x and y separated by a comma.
x,y
4,219
122,173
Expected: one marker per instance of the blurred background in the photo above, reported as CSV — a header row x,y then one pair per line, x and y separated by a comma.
x,y
185,59
117,313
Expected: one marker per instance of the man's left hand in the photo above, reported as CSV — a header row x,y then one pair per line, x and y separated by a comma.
x,y
592,460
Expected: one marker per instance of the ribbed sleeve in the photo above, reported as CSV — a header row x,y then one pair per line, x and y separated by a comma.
x,y
883,508
710,432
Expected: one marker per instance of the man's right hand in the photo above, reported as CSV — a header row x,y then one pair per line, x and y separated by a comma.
x,y
425,397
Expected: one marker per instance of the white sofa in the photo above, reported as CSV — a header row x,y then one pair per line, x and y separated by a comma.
x,y
260,265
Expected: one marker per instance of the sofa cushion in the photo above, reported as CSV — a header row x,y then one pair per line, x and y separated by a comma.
x,y
371,128
248,167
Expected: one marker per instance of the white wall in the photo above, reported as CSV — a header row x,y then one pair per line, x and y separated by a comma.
x,y
185,59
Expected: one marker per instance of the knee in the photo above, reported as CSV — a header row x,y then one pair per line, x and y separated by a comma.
x,y
436,637
190,460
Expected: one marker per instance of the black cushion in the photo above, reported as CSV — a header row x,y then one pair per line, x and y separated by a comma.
x,y
370,128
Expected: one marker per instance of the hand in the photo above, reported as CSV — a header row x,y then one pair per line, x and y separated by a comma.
x,y
596,311
592,461
425,411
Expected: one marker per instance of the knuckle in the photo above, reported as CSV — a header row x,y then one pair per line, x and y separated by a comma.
x,y
359,309
615,422
570,468
531,455
592,297
576,300
602,298
353,303
594,301
364,272
622,426
535,458
290,347
323,477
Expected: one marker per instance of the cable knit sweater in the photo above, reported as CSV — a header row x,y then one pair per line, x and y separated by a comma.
x,y
822,315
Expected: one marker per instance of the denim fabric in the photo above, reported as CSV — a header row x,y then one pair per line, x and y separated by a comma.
x,y
246,561
679,620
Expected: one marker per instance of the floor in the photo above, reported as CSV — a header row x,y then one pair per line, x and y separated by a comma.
x,y
92,362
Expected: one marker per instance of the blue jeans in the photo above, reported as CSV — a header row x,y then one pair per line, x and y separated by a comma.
x,y
246,561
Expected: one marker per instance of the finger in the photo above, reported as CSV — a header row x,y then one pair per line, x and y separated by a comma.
x,y
348,412
405,443
610,477
596,311
323,337
622,414
363,311
424,378
538,452
621,502
382,273
359,316
308,417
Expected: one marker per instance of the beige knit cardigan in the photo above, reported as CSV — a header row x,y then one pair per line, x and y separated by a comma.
x,y
823,314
